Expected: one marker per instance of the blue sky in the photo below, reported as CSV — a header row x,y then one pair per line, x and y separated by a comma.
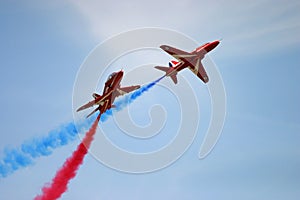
x,y
257,156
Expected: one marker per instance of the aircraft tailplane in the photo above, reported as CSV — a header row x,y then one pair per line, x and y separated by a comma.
x,y
93,112
165,69
174,78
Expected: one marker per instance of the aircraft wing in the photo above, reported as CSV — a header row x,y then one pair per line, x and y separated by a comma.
x,y
87,105
176,53
125,90
198,69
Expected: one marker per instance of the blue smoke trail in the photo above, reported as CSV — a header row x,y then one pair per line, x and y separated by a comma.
x,y
24,155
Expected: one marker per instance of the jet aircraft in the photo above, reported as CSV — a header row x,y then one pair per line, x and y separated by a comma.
x,y
187,60
112,89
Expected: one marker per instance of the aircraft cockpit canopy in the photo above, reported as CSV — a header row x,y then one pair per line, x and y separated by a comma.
x,y
111,75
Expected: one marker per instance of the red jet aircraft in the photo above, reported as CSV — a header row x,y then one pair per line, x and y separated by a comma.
x,y
112,89
191,60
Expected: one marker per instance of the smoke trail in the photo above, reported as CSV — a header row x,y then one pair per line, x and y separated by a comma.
x,y
128,99
69,169
24,155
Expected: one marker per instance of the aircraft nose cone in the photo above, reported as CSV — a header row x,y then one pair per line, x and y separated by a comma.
x,y
216,43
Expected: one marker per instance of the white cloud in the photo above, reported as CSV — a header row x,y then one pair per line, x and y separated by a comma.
x,y
242,24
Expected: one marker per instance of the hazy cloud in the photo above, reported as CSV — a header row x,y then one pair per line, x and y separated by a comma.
x,y
242,24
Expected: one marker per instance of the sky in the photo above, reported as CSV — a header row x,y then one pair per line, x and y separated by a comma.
x,y
43,45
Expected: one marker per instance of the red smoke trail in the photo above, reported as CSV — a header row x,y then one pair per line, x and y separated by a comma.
x,y
68,171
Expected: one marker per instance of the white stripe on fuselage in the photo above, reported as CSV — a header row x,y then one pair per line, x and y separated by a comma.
x,y
101,102
183,56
